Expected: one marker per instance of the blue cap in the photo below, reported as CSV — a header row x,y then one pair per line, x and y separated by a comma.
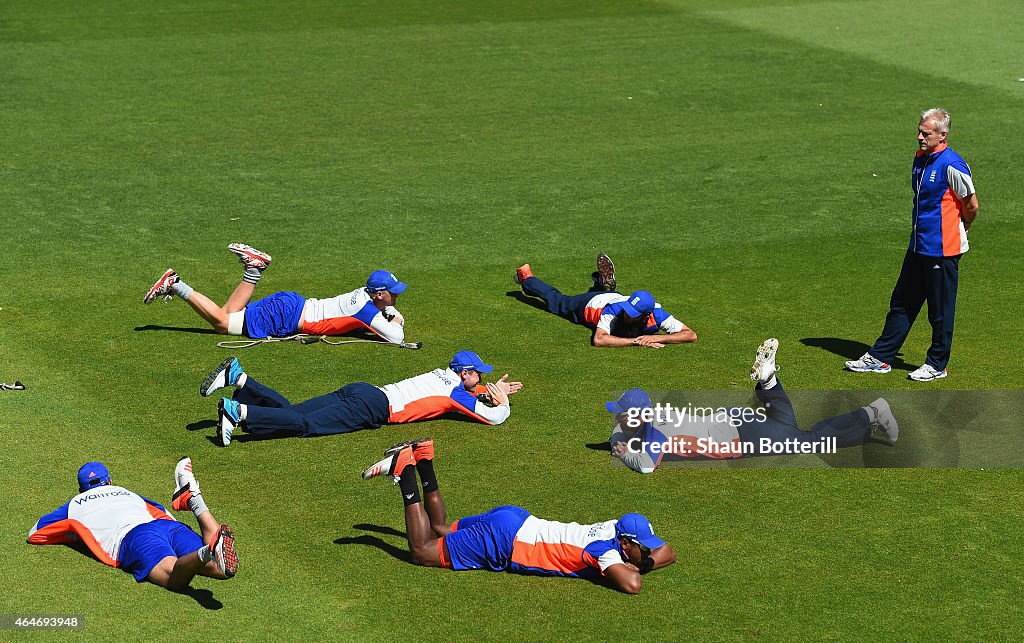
x,y
639,303
92,474
635,398
464,360
638,529
383,280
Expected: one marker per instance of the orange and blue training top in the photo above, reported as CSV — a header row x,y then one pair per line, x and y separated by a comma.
x,y
438,392
99,518
941,182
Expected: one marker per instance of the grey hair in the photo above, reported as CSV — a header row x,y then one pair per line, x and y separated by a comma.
x,y
938,116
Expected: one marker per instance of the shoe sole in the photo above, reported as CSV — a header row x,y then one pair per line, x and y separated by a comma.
x,y
248,252
152,294
606,268
868,370
222,418
204,388
518,277
227,536
765,352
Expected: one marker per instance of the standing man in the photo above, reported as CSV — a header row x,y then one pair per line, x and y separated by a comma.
x,y
945,206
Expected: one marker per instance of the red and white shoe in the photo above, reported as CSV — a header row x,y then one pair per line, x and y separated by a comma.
x,y
223,549
522,272
250,257
185,485
162,287
394,462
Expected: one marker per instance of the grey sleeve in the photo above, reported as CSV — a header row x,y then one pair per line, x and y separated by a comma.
x,y
960,182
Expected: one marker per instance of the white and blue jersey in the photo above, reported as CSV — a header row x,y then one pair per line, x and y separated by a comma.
x,y
511,539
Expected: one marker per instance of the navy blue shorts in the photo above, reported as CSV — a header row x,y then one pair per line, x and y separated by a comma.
x,y
485,541
276,315
146,545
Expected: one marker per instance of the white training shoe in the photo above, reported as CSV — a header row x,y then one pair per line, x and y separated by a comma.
x,y
885,419
185,485
250,257
764,364
183,475
927,373
868,364
162,287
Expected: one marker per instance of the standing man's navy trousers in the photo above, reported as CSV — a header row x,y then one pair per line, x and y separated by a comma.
x,y
571,307
931,279
350,408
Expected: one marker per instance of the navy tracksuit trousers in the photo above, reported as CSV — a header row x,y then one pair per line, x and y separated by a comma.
x,y
571,307
350,408
850,429
931,279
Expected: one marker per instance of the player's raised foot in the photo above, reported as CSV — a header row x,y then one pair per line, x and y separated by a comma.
x,y
927,373
522,272
250,257
606,269
397,459
228,417
162,287
867,364
223,549
764,364
226,374
423,449
185,484
885,420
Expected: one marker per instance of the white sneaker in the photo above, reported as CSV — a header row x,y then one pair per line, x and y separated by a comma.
x,y
162,287
250,257
185,485
885,419
868,364
764,364
927,373
183,475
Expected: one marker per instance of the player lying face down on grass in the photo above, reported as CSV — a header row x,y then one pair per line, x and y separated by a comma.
x,y
740,432
283,314
458,388
510,539
125,530
616,319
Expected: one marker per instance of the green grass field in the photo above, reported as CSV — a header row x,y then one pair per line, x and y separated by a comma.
x,y
747,161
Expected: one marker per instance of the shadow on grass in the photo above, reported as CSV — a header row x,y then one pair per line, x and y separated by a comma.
x,y
201,424
526,299
177,329
400,553
849,349
204,597
599,446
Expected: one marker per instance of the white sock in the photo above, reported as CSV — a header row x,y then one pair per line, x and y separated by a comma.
x,y
242,411
197,504
770,382
205,554
181,289
242,379
872,412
